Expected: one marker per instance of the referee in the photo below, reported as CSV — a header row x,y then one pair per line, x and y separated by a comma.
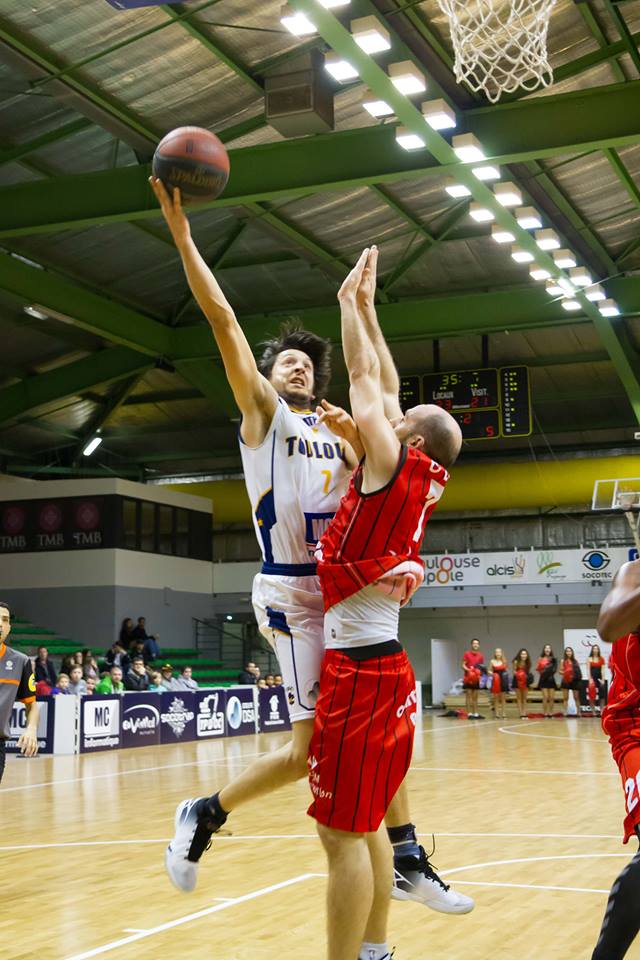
x,y
17,682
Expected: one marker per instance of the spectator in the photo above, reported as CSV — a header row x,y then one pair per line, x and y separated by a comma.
x,y
156,682
112,683
136,677
186,678
89,665
116,656
269,680
250,674
44,669
546,666
91,683
571,680
472,661
277,679
126,631
261,685
169,682
137,649
499,682
76,683
522,680
62,685
595,662
150,642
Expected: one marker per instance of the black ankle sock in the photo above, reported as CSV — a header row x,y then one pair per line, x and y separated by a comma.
x,y
622,917
215,808
403,840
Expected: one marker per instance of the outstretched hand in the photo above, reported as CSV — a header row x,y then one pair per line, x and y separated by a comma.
x,y
366,293
171,206
337,420
351,283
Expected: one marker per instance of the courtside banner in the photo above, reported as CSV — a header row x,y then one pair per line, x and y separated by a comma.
x,y
18,725
140,719
100,722
210,707
177,716
273,712
241,713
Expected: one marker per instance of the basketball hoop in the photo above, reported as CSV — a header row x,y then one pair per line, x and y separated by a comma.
x,y
500,45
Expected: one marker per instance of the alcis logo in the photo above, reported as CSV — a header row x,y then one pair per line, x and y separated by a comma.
x,y
596,560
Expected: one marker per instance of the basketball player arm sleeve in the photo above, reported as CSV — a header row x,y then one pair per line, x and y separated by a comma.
x,y
620,612
389,379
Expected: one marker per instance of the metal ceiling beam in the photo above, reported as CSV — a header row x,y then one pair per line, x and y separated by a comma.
x,y
591,20
511,132
459,211
623,175
117,398
13,154
227,245
210,380
580,64
625,34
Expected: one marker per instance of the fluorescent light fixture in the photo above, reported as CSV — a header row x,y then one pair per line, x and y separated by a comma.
x,y
481,214
409,140
521,256
500,235
567,287
456,190
528,218
539,273
507,194
35,313
341,70
486,173
438,114
564,259
370,35
92,446
332,4
377,108
468,148
570,305
554,288
296,23
406,78
595,293
547,239
609,308
580,277
229,616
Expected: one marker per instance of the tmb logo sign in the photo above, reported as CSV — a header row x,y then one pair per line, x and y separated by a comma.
x,y
100,723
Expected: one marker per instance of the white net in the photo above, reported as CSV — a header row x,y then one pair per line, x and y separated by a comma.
x,y
500,45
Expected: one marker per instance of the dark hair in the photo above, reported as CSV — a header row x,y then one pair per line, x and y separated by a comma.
x,y
293,337
573,656
6,606
544,646
593,647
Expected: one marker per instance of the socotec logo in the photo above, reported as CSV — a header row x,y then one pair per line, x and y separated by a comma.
x,y
596,562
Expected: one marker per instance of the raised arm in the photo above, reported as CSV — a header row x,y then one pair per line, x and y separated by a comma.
x,y
380,442
253,393
620,611
389,379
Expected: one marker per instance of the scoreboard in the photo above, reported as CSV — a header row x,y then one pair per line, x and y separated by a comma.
x,y
487,403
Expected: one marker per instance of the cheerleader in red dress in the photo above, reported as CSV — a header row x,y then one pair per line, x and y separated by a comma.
x,y
595,664
499,682
522,680
546,667
571,679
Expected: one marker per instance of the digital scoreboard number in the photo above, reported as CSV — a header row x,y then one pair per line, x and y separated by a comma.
x,y
487,403
409,392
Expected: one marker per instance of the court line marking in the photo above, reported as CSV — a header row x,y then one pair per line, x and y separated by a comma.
x,y
545,773
544,736
134,930
187,918
128,773
525,886
564,856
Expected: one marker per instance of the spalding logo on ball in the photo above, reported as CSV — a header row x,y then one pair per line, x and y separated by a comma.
x,y
194,160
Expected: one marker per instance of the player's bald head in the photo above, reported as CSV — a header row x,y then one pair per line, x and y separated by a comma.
x,y
432,430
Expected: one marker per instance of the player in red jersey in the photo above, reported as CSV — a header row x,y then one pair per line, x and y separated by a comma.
x,y
369,566
619,624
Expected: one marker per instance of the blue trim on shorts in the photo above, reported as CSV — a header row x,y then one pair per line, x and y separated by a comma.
x,y
278,621
290,569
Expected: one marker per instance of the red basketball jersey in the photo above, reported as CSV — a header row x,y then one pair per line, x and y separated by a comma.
x,y
622,713
373,533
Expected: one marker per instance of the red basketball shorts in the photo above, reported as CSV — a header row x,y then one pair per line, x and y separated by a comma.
x,y
362,739
625,746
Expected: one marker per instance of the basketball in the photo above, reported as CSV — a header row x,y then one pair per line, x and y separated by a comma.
x,y
194,160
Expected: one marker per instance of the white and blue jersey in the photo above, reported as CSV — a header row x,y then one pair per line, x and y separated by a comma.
x,y
295,480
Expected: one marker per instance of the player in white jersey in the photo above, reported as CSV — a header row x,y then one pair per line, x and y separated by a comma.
x,y
296,471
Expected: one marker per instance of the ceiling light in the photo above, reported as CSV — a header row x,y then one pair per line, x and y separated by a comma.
x,y
568,287
554,288
547,239
332,4
339,69
370,35
609,308
580,277
507,194
568,304
486,173
538,273
406,78
35,313
468,148
564,259
528,218
91,446
377,108
438,114
595,292
409,140
500,235
481,214
521,256
296,23
456,190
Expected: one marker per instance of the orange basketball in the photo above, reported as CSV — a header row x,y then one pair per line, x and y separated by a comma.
x,y
193,159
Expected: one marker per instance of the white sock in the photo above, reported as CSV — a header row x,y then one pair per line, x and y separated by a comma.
x,y
374,951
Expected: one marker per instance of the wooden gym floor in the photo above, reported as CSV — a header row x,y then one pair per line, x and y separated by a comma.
x,y
527,817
